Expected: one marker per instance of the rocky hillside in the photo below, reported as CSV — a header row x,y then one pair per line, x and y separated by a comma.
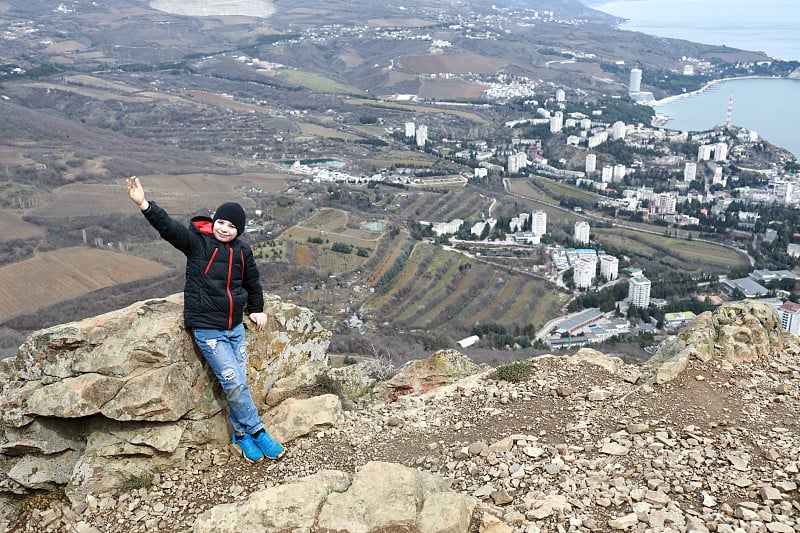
x,y
704,437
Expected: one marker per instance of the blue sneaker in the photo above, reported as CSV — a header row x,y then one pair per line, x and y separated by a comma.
x,y
271,448
248,447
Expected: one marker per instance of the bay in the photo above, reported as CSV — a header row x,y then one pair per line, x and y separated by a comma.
x,y
765,105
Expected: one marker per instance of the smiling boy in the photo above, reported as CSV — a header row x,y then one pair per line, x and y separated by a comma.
x,y
221,279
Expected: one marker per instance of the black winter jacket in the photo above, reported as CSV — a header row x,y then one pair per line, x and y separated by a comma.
x,y
220,277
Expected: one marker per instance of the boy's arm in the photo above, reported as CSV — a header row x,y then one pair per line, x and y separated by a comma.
x,y
170,229
255,293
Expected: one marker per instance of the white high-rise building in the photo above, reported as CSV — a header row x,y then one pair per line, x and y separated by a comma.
x,y
609,267
422,135
517,162
635,83
556,122
618,130
411,128
790,317
704,152
584,272
619,173
607,174
720,152
689,171
581,232
718,178
665,202
591,163
639,291
539,222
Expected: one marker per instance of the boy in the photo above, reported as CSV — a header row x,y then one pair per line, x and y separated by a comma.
x,y
221,277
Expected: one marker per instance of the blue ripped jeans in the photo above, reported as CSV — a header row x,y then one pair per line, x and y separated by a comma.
x,y
226,353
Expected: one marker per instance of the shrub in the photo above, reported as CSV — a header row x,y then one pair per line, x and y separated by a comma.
x,y
341,248
515,372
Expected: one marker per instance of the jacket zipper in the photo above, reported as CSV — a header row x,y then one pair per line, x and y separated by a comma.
x,y
228,286
213,255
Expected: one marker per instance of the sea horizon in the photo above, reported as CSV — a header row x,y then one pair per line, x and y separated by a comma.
x,y
770,28
760,104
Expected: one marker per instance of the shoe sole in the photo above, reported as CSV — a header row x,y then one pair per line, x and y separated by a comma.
x,y
283,452
238,448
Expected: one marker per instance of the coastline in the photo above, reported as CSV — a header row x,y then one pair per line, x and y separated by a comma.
x,y
708,86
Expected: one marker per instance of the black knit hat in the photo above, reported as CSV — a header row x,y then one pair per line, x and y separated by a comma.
x,y
232,212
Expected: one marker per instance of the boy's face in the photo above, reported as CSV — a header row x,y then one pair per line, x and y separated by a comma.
x,y
224,231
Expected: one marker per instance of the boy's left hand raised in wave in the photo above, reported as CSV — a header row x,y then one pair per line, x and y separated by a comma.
x,y
136,193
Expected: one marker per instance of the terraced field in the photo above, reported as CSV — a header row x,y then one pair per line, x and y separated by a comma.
x,y
439,287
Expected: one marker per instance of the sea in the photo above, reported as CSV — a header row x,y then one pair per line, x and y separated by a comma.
x,y
765,105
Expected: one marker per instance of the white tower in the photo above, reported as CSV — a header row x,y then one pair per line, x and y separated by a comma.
x,y
581,233
591,163
689,171
539,222
422,135
635,84
639,291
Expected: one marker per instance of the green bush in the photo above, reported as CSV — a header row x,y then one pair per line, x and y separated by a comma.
x,y
515,372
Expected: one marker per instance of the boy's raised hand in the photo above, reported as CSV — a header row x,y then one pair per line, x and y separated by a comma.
x,y
136,193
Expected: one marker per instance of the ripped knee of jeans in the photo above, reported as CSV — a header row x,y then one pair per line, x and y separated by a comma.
x,y
212,343
228,374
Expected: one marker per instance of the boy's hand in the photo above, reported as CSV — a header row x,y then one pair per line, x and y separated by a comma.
x,y
259,319
136,193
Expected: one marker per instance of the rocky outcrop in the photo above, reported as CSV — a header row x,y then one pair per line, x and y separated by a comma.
x,y
733,334
586,443
89,404
379,497
417,377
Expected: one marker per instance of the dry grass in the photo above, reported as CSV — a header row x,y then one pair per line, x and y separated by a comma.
x,y
65,274
329,133
459,63
15,228
450,89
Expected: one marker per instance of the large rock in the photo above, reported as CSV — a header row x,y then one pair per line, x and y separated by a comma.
x,y
88,404
419,377
297,417
735,333
379,497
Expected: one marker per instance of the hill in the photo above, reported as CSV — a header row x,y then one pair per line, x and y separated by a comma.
x,y
703,438
213,108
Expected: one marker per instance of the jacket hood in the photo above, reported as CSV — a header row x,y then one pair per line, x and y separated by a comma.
x,y
203,224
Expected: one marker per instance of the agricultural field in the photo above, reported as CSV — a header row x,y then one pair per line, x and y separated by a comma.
x,y
331,262
332,226
335,223
438,287
443,207
672,253
450,89
68,273
329,133
399,158
415,108
181,194
317,82
384,261
15,228
458,63
557,189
